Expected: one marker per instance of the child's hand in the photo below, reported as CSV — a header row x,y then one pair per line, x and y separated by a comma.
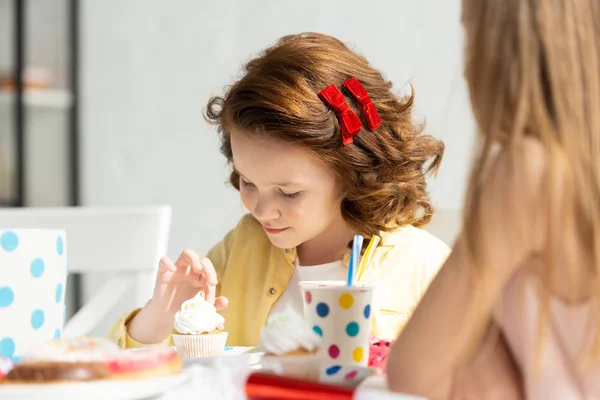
x,y
175,283
182,280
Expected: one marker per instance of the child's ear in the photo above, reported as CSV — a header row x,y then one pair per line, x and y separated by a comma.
x,y
341,189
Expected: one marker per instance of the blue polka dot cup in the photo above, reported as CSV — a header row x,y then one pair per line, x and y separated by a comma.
x,y
341,315
33,272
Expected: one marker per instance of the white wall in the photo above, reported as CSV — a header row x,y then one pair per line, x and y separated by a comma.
x,y
149,66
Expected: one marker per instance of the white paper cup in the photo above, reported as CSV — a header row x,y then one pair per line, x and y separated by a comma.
x,y
302,366
342,316
33,273
194,346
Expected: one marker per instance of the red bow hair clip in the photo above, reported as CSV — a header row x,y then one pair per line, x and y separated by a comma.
x,y
350,124
367,108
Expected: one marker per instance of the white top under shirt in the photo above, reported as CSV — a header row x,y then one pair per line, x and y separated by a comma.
x,y
292,296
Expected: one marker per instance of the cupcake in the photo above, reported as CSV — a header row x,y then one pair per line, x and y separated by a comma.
x,y
291,347
199,329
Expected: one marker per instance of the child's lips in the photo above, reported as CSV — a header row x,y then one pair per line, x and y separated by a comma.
x,y
273,231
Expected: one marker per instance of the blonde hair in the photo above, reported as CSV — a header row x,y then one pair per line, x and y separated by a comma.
x,y
533,69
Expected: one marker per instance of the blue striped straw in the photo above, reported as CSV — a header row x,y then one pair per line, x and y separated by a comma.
x,y
356,247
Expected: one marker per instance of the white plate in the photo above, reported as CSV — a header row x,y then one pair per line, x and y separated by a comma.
x,y
237,350
101,390
247,355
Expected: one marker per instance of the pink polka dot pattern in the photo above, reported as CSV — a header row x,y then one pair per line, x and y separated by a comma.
x,y
334,351
308,297
351,375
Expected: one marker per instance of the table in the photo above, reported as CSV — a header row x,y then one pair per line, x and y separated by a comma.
x,y
225,380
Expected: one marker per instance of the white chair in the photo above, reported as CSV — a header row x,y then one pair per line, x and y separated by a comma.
x,y
446,225
122,244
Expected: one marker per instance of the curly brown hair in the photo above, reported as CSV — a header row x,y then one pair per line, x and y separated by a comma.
x,y
383,173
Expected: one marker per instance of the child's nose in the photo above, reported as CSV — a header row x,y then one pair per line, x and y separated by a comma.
x,y
265,210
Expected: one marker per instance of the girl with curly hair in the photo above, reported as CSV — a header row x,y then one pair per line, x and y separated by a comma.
x,y
320,150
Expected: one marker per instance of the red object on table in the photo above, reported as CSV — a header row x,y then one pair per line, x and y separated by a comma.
x,y
379,350
264,386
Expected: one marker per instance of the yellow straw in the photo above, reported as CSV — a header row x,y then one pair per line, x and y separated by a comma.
x,y
366,258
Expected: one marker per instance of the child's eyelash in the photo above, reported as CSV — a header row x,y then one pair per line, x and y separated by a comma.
x,y
281,192
245,182
289,195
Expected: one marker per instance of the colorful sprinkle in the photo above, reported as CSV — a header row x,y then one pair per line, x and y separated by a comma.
x,y
346,301
351,375
308,297
318,330
352,329
322,310
333,370
334,351
358,354
367,311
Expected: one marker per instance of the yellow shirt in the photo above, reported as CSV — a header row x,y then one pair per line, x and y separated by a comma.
x,y
253,273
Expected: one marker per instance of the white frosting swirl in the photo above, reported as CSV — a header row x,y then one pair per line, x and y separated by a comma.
x,y
286,332
198,316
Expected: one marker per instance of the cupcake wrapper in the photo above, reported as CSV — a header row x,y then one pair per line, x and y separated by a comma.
x,y
305,367
194,346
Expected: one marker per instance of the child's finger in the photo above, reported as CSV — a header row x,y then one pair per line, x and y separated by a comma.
x,y
208,271
166,265
221,303
189,261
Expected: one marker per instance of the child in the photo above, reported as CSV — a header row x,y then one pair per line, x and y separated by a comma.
x,y
315,161
514,310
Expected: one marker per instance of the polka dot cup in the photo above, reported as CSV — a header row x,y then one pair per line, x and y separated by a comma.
x,y
342,316
33,272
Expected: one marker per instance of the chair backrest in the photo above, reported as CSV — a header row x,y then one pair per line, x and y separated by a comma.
x,y
117,248
102,239
446,225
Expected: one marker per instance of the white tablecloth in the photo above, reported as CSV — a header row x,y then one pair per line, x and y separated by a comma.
x,y
225,380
